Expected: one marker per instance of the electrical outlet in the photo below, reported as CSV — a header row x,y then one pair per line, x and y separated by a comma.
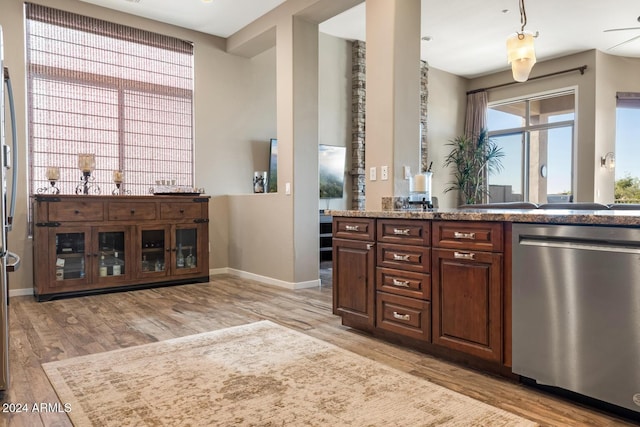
x,y
384,173
372,174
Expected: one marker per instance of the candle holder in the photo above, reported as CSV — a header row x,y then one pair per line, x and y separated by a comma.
x,y
118,178
53,175
87,186
87,163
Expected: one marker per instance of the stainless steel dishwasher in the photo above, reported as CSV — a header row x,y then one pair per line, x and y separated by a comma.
x,y
576,309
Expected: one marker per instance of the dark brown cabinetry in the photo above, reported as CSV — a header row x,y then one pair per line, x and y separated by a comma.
x,y
86,244
403,281
467,287
354,271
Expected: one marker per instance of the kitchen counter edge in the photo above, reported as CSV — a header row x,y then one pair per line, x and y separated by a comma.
x,y
547,216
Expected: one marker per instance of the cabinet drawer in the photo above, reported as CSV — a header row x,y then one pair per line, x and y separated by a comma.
x,y
404,257
354,228
405,283
76,211
410,232
118,211
405,316
480,236
181,210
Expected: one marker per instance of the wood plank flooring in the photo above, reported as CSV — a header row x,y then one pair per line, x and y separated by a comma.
x,y
55,330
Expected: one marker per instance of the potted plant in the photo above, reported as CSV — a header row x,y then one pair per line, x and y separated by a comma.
x,y
472,161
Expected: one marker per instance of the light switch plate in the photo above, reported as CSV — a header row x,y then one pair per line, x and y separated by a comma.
x,y
372,174
407,172
287,188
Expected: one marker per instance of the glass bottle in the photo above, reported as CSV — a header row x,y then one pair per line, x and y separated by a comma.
x,y
117,267
180,257
158,266
145,263
189,261
82,273
103,266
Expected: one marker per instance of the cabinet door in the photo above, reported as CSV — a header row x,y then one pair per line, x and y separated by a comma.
x,y
188,250
153,259
69,263
466,302
111,255
354,282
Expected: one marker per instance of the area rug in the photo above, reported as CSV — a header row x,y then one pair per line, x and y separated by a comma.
x,y
259,374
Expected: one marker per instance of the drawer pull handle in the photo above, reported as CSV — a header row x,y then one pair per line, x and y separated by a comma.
x,y
464,255
352,227
76,212
133,211
402,283
459,235
181,211
399,232
399,316
398,257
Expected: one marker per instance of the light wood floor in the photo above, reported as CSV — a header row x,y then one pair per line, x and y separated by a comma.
x,y
55,330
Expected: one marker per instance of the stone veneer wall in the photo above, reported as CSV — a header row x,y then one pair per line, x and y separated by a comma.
x,y
358,110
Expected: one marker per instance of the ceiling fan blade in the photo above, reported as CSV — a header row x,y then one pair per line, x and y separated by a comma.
x,y
625,42
621,29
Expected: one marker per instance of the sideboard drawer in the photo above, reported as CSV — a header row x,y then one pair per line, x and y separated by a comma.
x,y
181,210
92,210
354,228
120,211
404,257
479,236
405,316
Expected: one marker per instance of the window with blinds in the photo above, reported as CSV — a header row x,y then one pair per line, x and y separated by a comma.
x,y
121,93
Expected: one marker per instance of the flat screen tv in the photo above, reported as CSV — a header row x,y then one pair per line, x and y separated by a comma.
x,y
272,179
331,164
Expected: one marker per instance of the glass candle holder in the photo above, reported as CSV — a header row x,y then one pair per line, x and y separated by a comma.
x,y
86,162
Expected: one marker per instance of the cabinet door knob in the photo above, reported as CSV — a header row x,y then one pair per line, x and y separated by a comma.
x,y
76,212
181,211
133,211
369,246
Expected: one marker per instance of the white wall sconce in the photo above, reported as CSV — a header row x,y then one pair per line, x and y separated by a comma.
x,y
608,161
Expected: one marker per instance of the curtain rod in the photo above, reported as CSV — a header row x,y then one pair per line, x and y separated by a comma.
x,y
581,69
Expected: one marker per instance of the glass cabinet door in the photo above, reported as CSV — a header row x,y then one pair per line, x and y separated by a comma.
x,y
186,249
111,255
154,250
70,256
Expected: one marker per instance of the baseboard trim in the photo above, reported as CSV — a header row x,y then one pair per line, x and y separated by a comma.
x,y
20,292
265,279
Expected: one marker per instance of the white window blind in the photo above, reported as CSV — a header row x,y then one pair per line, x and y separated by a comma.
x,y
122,93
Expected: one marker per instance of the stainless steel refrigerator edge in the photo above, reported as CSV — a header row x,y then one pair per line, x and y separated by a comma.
x,y
576,309
6,159
4,310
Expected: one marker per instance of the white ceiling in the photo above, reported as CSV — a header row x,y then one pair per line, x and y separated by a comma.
x,y
467,36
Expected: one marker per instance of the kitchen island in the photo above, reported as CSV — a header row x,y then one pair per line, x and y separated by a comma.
x,y
442,281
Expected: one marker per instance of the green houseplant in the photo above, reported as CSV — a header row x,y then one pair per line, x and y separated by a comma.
x,y
472,160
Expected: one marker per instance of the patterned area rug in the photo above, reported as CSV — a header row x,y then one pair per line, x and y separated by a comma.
x,y
260,374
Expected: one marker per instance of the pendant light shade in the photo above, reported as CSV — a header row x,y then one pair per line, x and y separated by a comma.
x,y
521,55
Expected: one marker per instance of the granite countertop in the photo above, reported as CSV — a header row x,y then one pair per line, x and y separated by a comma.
x,y
542,216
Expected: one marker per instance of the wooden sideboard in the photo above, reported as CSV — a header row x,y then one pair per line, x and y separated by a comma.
x,y
90,244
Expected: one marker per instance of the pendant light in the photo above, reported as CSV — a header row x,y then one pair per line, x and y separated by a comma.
x,y
520,50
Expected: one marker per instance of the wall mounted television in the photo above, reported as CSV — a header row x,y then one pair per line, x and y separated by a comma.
x,y
331,164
